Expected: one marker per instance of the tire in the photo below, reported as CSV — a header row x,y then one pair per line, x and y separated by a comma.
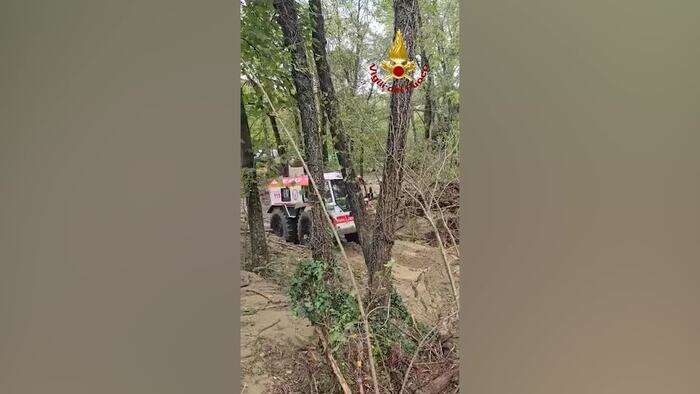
x,y
304,227
352,237
291,235
282,225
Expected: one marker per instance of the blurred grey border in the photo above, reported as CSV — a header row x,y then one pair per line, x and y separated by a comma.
x,y
119,197
237,179
580,197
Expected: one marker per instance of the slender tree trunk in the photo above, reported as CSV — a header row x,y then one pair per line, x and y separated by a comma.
x,y
362,161
359,41
276,133
428,113
340,137
356,68
258,245
413,126
405,19
266,137
293,39
371,90
428,100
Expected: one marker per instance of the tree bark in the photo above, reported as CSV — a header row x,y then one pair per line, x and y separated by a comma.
x,y
362,161
297,128
341,141
428,114
405,19
413,126
428,103
324,127
276,133
321,116
359,41
303,83
259,255
266,136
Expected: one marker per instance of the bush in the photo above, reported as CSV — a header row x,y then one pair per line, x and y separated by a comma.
x,y
316,294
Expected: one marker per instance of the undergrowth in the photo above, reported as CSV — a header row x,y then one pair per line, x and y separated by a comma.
x,y
317,294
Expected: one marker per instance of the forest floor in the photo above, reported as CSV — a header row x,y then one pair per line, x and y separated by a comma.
x,y
276,346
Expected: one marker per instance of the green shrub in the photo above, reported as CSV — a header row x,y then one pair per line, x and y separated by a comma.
x,y
316,294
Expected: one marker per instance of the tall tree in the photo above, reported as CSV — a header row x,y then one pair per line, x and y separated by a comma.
x,y
331,108
259,255
303,83
405,20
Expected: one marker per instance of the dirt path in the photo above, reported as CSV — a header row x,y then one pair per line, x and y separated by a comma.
x,y
272,338
419,277
269,334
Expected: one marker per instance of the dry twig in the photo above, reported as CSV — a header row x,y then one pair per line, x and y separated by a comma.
x,y
270,326
334,364
262,295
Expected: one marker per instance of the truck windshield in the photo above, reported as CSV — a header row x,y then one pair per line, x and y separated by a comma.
x,y
340,193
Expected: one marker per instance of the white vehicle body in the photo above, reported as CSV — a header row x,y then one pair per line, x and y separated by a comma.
x,y
288,205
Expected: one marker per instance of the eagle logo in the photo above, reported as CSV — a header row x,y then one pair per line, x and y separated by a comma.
x,y
398,66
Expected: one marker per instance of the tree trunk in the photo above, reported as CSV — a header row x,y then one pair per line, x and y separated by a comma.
x,y
428,114
340,137
276,133
266,138
288,21
359,41
258,245
321,116
324,127
405,19
413,126
428,103
371,90
297,128
362,161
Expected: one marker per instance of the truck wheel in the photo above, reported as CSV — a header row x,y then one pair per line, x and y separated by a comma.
x,y
283,226
352,237
304,227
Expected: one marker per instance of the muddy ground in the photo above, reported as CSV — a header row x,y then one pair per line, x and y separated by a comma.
x,y
277,347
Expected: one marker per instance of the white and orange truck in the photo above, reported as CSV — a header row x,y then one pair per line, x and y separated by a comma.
x,y
290,210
